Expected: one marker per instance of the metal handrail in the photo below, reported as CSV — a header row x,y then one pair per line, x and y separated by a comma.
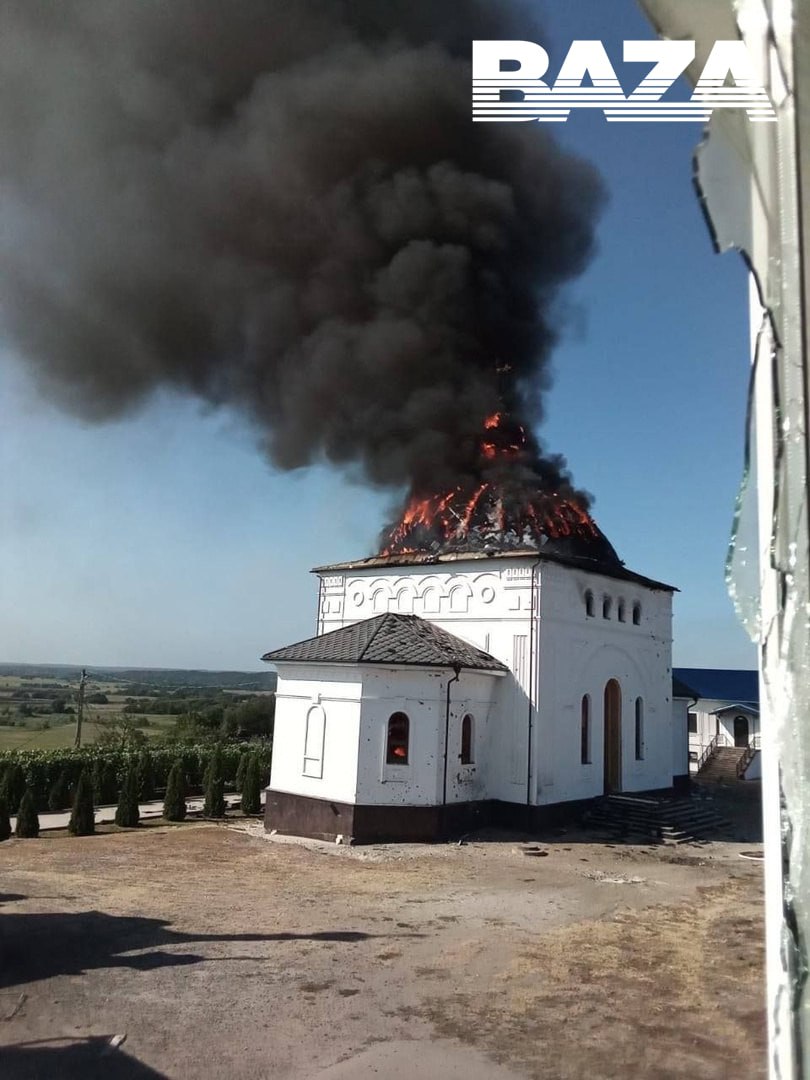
x,y
716,742
747,757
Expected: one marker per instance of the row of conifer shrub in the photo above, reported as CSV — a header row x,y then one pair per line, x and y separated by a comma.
x,y
127,814
53,775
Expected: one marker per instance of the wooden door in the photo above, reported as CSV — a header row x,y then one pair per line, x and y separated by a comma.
x,y
741,731
613,737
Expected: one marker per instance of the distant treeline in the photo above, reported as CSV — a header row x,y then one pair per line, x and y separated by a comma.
x,y
225,714
144,677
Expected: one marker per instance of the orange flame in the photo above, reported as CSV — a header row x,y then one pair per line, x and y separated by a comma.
x,y
451,516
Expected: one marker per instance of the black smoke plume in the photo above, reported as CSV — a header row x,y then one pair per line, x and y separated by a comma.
x,y
283,207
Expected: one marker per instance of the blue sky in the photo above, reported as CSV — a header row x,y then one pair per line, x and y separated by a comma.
x,y
167,540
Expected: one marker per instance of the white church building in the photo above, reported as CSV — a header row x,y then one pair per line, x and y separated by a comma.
x,y
448,691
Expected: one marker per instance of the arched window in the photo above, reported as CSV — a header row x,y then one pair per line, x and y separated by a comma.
x,y
404,601
459,598
467,755
396,747
636,614
585,731
620,611
589,603
639,729
431,601
607,604
313,742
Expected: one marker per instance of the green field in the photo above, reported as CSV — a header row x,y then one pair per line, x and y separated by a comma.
x,y
53,738
38,704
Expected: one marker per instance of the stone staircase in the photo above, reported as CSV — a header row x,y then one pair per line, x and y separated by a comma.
x,y
721,765
669,820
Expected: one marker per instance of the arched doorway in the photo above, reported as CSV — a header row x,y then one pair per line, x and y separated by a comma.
x,y
741,731
613,737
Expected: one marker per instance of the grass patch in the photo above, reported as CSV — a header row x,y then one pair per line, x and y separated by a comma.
x,y
61,737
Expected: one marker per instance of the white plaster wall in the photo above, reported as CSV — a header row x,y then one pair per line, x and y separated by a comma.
x,y
484,601
338,691
727,725
421,694
680,736
754,770
489,603
579,654
707,724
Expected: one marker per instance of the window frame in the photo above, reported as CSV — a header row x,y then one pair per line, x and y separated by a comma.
x,y
392,759
639,729
467,741
314,742
585,730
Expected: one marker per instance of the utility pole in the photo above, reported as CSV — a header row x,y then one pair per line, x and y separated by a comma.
x,y
80,709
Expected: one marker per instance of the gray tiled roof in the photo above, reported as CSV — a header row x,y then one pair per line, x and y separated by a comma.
x,y
389,639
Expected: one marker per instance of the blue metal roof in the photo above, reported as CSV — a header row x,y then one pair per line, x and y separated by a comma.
x,y
721,684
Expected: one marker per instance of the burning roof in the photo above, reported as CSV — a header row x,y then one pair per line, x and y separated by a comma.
x,y
508,504
509,507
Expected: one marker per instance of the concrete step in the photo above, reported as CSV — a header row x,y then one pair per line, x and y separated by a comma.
x,y
721,766
671,820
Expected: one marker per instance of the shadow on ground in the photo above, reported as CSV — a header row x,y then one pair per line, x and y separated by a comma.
x,y
39,946
81,1059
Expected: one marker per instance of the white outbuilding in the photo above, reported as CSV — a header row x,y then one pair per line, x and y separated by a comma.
x,y
452,690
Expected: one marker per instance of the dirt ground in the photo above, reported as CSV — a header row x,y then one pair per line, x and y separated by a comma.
x,y
217,952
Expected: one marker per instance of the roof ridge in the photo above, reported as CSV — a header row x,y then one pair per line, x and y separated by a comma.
x,y
381,620
407,640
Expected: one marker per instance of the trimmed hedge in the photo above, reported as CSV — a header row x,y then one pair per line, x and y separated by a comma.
x,y
174,805
251,789
214,805
5,819
127,815
27,819
60,796
82,816
39,770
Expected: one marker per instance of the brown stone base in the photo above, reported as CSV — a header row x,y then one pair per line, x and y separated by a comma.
x,y
299,815
321,819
